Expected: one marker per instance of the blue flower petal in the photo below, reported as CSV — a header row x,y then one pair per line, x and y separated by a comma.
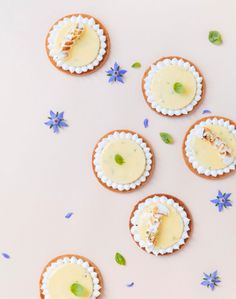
x,y
6,255
205,283
227,195
63,124
205,111
220,207
112,79
61,115
122,72
220,194
130,285
49,123
116,67
119,78
215,201
110,72
146,123
228,203
69,215
55,129
52,114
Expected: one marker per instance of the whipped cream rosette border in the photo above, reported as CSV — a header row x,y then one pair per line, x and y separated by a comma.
x,y
122,134
81,19
172,201
189,155
162,63
71,259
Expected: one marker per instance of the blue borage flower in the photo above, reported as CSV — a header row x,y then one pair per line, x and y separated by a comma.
x,y
56,121
211,280
116,73
222,201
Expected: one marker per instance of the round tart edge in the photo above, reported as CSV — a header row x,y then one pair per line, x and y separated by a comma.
x,y
105,57
185,60
150,172
181,203
96,269
210,177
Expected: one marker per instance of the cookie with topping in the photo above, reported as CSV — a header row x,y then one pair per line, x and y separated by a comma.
x,y
160,224
173,86
122,161
78,44
71,276
209,147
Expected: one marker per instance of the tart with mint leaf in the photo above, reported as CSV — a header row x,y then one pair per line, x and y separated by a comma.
x,y
122,161
70,277
173,86
78,44
209,147
160,224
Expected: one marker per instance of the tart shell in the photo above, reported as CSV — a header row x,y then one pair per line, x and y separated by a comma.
x,y
177,201
142,183
210,177
101,63
185,60
69,256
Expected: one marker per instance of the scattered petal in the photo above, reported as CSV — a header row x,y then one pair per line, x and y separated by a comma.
x,y
146,123
6,255
130,285
206,111
69,215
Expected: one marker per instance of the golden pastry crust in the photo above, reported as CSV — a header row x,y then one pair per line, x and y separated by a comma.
x,y
210,177
101,63
185,60
101,283
142,183
176,200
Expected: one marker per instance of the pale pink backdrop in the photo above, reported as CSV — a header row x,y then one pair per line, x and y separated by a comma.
x,y
44,176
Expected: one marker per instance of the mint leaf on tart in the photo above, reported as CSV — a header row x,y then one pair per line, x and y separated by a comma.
x,y
119,159
167,138
120,259
77,289
136,65
215,37
178,87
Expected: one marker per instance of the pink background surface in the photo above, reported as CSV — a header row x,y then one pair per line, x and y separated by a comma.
x,y
44,176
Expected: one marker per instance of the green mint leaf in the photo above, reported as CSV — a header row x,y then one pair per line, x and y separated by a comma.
x,y
120,259
136,65
215,37
178,87
167,138
119,159
77,289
